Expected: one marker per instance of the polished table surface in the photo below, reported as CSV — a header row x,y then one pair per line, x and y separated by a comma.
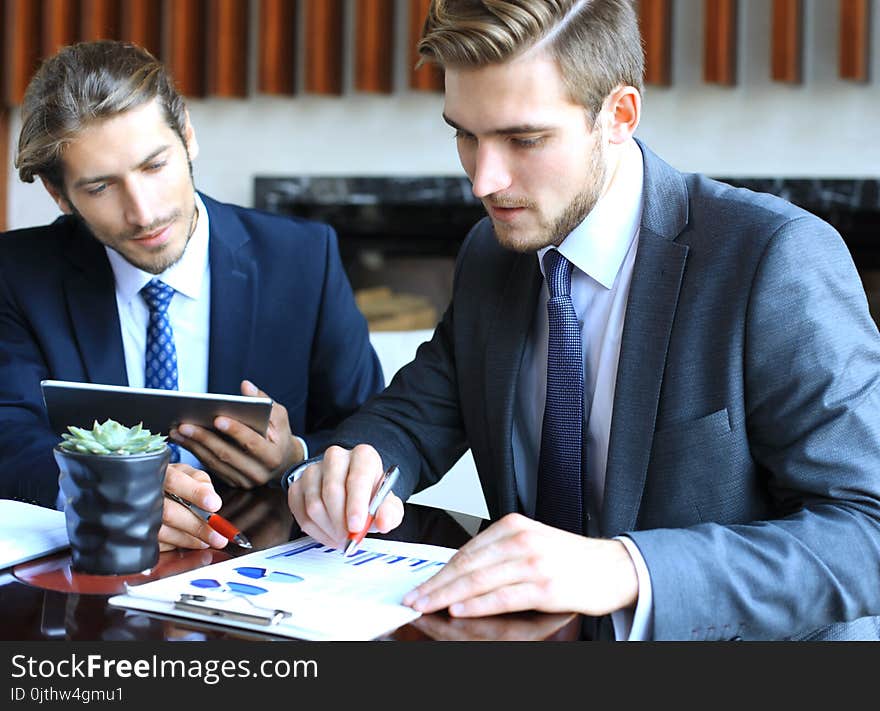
x,y
46,599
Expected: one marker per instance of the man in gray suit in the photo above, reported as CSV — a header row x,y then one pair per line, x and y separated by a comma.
x,y
726,443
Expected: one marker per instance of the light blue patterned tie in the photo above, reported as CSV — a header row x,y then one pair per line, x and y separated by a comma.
x,y
560,477
160,356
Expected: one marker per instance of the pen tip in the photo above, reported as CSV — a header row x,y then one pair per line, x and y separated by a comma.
x,y
349,548
242,541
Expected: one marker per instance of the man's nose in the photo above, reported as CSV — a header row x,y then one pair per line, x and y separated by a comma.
x,y
138,207
491,174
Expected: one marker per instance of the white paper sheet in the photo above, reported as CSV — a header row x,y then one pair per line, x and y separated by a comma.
x,y
28,532
328,596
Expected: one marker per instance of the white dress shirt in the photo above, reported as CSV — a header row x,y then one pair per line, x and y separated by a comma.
x,y
603,250
189,313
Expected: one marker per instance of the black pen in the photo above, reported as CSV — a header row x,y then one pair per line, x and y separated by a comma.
x,y
387,481
215,521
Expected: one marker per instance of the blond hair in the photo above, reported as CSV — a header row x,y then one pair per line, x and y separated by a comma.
x,y
596,43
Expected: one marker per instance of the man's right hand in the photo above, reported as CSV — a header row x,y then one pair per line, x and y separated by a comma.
x,y
332,496
180,527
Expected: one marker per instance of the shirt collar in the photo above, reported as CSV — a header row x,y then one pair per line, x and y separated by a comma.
x,y
599,244
185,276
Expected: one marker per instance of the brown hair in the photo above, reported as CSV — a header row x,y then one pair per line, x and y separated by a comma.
x,y
597,43
83,83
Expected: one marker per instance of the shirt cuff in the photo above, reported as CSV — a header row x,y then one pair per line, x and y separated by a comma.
x,y
638,625
294,473
304,446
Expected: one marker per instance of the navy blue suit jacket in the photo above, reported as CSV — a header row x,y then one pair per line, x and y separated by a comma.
x,y
282,316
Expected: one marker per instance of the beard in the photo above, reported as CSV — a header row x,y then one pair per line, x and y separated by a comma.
x,y
555,230
153,263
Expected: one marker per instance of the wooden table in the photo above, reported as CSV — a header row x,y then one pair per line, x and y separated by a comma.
x,y
46,599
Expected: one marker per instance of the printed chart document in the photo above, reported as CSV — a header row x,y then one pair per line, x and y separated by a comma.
x,y
299,589
28,532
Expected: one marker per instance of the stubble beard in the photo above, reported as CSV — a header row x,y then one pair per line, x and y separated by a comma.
x,y
161,261
574,213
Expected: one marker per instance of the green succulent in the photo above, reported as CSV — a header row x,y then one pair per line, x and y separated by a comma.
x,y
112,438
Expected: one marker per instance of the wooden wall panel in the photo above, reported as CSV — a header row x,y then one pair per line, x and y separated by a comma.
x,y
140,22
786,41
184,30
324,29
228,28
276,72
428,77
99,19
60,25
655,20
22,44
719,51
855,19
374,45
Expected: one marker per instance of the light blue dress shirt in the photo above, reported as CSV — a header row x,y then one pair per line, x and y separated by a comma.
x,y
603,250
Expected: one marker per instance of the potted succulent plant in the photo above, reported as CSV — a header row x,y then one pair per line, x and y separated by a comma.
x,y
112,480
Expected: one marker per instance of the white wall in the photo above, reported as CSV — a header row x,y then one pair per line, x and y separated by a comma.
x,y
826,127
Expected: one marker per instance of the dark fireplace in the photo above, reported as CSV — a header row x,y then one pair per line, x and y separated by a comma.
x,y
404,232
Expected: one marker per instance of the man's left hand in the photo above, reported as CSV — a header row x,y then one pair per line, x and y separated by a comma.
x,y
520,564
246,459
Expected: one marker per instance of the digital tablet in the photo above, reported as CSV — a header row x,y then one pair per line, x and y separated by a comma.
x,y
80,404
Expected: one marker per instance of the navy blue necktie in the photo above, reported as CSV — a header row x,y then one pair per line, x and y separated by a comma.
x,y
160,360
560,475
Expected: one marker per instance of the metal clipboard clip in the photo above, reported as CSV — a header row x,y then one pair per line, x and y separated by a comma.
x,y
264,616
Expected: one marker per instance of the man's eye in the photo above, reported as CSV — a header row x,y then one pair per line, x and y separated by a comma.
x,y
156,166
97,189
463,136
528,142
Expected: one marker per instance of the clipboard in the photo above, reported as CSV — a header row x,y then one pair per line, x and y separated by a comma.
x,y
300,589
80,404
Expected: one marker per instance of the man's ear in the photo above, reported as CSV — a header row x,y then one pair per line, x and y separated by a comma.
x,y
623,110
62,202
189,136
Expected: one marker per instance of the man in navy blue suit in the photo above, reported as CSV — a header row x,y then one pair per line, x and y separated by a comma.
x,y
259,303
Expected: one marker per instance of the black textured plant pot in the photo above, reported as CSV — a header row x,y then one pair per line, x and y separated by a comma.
x,y
113,507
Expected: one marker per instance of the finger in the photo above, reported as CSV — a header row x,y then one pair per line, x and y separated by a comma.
x,y
511,537
472,570
278,420
253,454
324,494
364,471
182,528
303,498
390,514
192,484
484,583
207,456
511,598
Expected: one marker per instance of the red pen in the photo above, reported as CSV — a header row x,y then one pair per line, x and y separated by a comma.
x,y
385,484
215,521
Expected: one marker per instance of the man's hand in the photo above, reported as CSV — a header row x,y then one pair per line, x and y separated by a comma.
x,y
332,496
180,527
246,459
520,564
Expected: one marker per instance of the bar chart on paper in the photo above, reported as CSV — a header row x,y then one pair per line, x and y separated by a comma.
x,y
306,589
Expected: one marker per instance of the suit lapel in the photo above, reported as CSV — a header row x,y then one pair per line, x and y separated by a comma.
x,y
505,344
90,291
650,313
233,288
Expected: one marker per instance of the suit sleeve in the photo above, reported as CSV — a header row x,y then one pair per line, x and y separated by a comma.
x,y
812,394
29,472
344,370
416,422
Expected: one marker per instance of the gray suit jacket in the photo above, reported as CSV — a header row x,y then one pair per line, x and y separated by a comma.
x,y
744,458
